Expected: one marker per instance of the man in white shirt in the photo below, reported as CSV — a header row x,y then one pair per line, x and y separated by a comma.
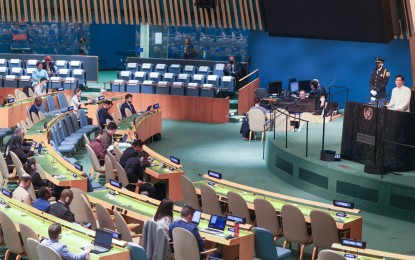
x,y
40,87
20,193
401,96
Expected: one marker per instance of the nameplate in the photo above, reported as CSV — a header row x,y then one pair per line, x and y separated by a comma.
x,y
174,160
236,219
156,106
115,184
343,204
215,174
78,166
70,108
353,243
6,193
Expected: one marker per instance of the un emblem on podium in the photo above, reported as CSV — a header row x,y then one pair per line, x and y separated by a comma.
x,y
368,113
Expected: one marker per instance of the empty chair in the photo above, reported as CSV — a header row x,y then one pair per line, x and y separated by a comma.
x,y
122,228
78,205
29,71
186,247
15,63
63,73
51,105
266,217
70,83
19,94
161,68
136,251
228,83
133,86
27,232
147,67
132,66
45,252
125,75
295,227
11,237
32,248
80,74
324,230
177,88
169,77
88,212
4,71
154,76
205,70
163,87
257,123
118,85
4,63
185,78
31,63
199,78
109,169
63,103
55,82
83,121
213,79
104,218
61,64
140,76
208,90
17,71
330,255
148,87
193,89
210,200
265,247
189,193
189,69
76,64
238,206
175,68
218,69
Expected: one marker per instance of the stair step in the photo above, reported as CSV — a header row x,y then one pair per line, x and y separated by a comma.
x,y
236,119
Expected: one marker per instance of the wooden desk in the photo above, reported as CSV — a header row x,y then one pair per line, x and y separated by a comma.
x,y
146,125
372,253
12,114
142,208
73,235
352,223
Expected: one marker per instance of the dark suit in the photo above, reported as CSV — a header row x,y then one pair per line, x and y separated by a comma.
x,y
234,70
103,115
51,67
135,172
316,94
128,153
378,81
60,210
129,106
190,227
34,109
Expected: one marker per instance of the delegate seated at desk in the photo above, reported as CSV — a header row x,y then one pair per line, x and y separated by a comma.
x,y
103,113
20,193
185,222
35,107
128,104
26,146
401,96
16,147
132,151
257,105
42,202
135,175
61,209
97,146
54,232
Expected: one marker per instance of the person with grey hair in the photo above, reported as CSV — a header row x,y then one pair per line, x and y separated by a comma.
x,y
55,234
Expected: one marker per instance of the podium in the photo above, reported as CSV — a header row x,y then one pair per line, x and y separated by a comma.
x,y
378,137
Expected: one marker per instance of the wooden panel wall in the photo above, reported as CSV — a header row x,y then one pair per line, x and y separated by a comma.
x,y
243,14
246,96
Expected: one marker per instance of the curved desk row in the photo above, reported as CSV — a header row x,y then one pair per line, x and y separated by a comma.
x,y
351,223
57,170
13,113
73,235
137,207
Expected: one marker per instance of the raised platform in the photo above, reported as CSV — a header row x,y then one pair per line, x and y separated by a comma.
x,y
392,196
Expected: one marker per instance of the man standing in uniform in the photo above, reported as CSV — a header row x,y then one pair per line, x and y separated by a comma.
x,y
378,81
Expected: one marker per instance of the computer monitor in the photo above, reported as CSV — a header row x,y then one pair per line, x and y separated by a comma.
x,y
294,87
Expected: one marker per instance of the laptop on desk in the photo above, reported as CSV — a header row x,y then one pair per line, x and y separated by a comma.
x,y
148,109
102,242
216,225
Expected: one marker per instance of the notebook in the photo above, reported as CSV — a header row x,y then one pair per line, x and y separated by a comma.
x,y
102,242
124,138
216,225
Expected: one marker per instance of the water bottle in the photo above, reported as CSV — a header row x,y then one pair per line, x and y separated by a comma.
x,y
236,229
